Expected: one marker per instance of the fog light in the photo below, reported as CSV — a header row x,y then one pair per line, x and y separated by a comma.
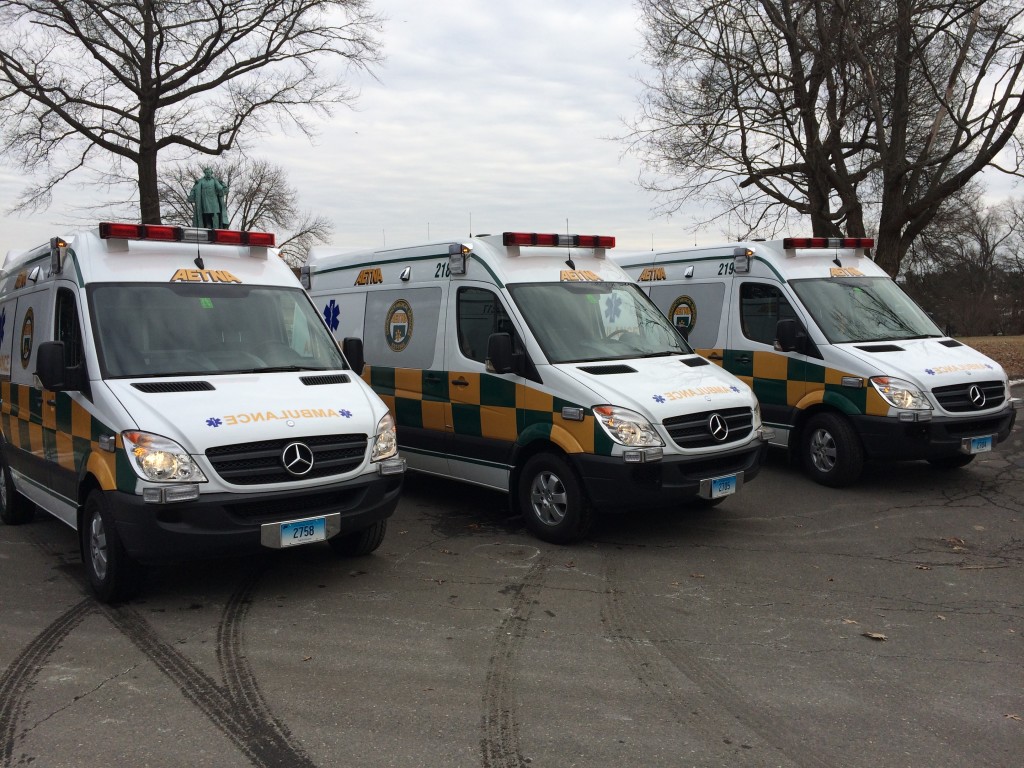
x,y
395,466
170,494
643,455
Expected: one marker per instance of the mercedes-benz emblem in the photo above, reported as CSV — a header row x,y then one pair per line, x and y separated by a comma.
x,y
717,427
297,459
976,395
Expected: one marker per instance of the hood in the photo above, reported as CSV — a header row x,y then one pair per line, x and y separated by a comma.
x,y
929,362
200,413
662,386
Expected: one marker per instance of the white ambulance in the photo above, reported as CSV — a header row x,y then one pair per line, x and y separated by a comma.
x,y
845,365
532,364
172,393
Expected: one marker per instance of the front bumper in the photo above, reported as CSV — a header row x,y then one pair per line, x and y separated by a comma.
x,y
221,524
613,485
888,438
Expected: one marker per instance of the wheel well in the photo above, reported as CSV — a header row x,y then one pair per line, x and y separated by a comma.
x,y
522,455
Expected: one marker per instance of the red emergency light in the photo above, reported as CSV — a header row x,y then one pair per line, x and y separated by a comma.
x,y
170,234
557,241
827,242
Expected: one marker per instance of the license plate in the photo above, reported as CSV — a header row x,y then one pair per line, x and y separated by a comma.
x,y
303,531
717,487
978,444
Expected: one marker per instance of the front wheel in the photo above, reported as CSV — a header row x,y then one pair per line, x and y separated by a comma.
x,y
552,501
14,508
361,542
832,453
952,462
112,574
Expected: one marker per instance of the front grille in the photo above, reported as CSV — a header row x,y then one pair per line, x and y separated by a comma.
x,y
692,430
260,463
956,398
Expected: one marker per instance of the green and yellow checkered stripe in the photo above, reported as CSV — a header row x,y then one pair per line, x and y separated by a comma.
x,y
780,380
488,406
64,433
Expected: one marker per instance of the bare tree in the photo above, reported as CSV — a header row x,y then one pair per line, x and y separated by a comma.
x,y
862,115
111,85
259,198
961,266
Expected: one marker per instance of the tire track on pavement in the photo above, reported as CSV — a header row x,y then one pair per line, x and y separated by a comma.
x,y
500,743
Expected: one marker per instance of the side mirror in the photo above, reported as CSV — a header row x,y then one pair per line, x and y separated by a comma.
x,y
788,335
499,353
352,348
50,367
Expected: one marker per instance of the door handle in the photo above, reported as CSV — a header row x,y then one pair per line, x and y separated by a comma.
x,y
51,401
460,382
714,356
743,359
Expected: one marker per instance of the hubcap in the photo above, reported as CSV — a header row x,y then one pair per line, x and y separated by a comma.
x,y
98,547
548,498
823,450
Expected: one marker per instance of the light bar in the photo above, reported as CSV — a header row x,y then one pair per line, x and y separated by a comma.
x,y
170,234
557,241
828,242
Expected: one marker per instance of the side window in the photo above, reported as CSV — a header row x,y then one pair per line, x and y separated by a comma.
x,y
761,307
67,329
480,314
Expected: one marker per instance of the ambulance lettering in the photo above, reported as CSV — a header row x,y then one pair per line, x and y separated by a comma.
x,y
204,276
372,276
579,276
263,417
652,273
845,272
684,394
941,369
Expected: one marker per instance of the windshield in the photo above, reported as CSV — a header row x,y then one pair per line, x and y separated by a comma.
x,y
863,309
173,329
578,322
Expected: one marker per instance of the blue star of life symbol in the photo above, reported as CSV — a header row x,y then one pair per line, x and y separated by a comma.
x,y
734,388
929,371
613,308
331,313
659,399
346,413
214,422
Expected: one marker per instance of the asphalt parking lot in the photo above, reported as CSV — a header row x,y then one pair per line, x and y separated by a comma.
x,y
881,625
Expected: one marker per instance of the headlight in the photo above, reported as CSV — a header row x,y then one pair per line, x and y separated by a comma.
x,y
900,394
385,442
160,459
626,427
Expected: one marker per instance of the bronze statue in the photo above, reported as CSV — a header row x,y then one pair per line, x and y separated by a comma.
x,y
208,197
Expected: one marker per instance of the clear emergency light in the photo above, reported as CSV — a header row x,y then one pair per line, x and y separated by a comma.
x,y
791,243
172,234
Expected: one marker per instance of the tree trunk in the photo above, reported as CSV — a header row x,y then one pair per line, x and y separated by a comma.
x,y
149,193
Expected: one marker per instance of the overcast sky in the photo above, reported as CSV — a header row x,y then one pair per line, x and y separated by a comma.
x,y
486,117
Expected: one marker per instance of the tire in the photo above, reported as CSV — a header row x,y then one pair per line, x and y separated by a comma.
x,y
112,574
15,509
552,501
831,451
361,542
952,462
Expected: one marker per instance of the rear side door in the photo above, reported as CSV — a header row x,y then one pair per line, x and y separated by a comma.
x,y
403,344
24,323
